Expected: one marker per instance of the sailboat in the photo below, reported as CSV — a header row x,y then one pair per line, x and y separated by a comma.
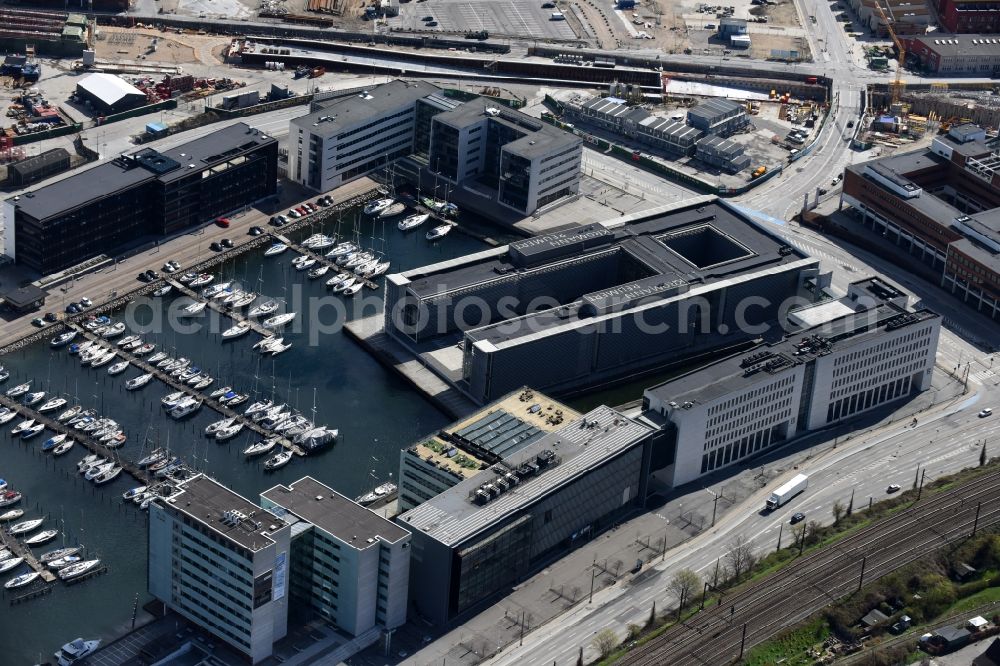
x,y
377,206
278,461
263,309
261,447
193,309
235,331
438,232
275,249
412,221
138,382
279,320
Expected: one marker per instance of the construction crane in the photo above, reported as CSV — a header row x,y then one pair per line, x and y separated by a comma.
x,y
897,86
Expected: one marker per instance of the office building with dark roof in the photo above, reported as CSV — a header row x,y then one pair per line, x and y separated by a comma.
x,y
474,541
142,195
595,303
940,204
221,562
841,359
458,451
349,564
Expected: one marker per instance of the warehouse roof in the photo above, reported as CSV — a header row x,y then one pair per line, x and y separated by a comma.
x,y
557,459
35,163
961,45
108,88
711,110
345,113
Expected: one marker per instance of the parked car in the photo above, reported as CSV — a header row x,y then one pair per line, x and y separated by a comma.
x,y
294,214
797,517
223,222
227,243
152,275
431,24
322,202
72,308
255,231
985,412
215,247
427,18
893,488
38,321
86,302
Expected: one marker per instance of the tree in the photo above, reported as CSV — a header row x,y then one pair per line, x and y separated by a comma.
x,y
740,556
683,585
605,642
838,511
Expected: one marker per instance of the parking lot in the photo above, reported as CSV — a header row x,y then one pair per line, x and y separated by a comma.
x,y
503,17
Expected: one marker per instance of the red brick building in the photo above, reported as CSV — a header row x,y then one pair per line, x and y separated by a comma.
x,y
961,16
942,205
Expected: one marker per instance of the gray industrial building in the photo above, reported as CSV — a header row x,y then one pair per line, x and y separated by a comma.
x,y
598,302
721,117
611,113
39,167
724,154
477,539
841,358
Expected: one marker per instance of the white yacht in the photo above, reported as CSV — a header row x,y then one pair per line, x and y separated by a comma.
x,y
113,331
63,339
76,650
138,382
278,460
230,431
260,448
185,408
275,249
438,232
263,309
377,206
304,262
118,368
412,221
235,331
78,569
279,320
21,581
193,309
52,405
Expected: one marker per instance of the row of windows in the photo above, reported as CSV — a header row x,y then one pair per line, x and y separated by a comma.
x,y
228,552
216,622
883,346
187,574
868,399
572,160
574,149
368,148
881,373
383,119
759,419
747,446
570,179
725,406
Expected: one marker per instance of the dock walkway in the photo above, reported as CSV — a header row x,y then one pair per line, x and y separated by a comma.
x,y
18,549
322,259
80,437
178,385
235,315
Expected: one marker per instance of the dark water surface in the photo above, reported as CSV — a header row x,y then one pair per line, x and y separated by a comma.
x,y
376,412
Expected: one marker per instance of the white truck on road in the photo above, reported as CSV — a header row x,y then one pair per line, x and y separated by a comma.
x,y
787,491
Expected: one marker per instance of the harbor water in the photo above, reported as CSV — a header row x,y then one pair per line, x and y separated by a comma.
x,y
376,412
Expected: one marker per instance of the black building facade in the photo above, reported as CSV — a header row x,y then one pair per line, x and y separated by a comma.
x,y
143,195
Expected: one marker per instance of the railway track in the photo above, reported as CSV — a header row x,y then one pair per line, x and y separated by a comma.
x,y
715,635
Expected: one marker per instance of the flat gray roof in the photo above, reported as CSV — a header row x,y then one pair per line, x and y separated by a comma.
x,y
539,138
961,45
330,511
712,109
205,501
343,113
751,367
580,446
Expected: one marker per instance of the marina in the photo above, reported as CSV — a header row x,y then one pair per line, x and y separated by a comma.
x,y
188,390
18,549
322,259
348,382
211,303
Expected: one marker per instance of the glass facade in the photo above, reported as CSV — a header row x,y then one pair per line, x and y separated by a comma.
x,y
444,158
515,181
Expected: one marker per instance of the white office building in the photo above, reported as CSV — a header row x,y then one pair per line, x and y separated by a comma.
x,y
222,562
351,565
847,357
352,136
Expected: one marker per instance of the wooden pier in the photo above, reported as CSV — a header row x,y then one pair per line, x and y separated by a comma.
x,y
80,437
322,259
140,363
18,549
233,314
